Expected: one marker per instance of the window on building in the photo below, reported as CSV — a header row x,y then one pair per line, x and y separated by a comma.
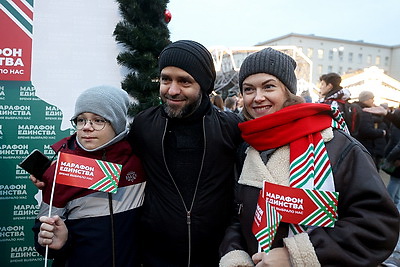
x,y
320,53
369,59
360,58
330,55
310,52
340,71
319,69
330,68
378,60
300,48
386,61
340,55
350,57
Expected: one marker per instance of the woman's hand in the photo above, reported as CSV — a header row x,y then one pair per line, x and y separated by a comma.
x,y
53,232
276,257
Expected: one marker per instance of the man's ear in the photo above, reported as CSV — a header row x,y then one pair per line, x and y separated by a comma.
x,y
330,86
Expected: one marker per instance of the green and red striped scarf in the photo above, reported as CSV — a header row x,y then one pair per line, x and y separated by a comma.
x,y
298,126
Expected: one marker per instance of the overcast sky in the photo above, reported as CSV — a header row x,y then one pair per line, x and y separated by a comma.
x,y
233,23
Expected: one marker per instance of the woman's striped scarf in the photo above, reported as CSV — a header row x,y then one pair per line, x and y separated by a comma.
x,y
298,126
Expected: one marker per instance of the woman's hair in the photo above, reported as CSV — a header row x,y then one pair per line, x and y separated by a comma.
x,y
217,101
291,100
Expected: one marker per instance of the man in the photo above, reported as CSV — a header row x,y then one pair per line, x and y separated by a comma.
x,y
331,92
369,133
230,104
335,95
188,150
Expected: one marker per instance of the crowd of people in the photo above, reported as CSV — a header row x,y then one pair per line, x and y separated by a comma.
x,y
200,163
377,130
232,103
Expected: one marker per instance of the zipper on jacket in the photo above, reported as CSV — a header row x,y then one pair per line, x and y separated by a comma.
x,y
188,211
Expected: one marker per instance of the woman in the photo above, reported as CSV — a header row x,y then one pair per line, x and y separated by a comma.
x,y
278,130
92,228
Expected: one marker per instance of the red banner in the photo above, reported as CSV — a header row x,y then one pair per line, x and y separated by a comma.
x,y
87,173
16,30
302,206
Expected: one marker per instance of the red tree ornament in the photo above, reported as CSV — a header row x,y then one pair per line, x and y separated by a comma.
x,y
167,16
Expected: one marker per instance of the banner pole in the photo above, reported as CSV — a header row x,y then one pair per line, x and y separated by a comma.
x,y
51,204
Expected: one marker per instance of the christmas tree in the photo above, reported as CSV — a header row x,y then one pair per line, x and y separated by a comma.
x,y
143,33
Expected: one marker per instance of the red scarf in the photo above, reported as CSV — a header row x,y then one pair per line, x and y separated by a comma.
x,y
286,125
300,126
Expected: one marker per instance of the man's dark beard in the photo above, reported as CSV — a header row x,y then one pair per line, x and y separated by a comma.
x,y
185,111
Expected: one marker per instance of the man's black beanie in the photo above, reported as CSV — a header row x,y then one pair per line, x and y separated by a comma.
x,y
193,58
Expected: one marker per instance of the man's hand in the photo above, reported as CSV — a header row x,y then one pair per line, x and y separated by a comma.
x,y
276,257
39,184
53,232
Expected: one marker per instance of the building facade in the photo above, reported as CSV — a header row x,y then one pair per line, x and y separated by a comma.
x,y
363,66
342,56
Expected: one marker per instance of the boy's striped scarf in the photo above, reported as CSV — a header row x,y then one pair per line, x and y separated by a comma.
x,y
298,126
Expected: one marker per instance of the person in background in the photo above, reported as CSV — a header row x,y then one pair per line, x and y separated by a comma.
x,y
278,131
372,130
239,104
392,155
92,228
230,104
331,92
380,143
217,101
388,114
188,152
306,95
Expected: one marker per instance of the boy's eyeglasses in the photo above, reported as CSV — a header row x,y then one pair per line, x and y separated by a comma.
x,y
97,124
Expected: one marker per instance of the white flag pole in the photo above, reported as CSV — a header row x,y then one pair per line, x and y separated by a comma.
x,y
51,204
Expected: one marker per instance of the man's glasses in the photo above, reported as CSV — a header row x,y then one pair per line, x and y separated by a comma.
x,y
97,124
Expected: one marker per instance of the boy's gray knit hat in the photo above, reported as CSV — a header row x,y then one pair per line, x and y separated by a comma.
x,y
193,58
106,101
272,62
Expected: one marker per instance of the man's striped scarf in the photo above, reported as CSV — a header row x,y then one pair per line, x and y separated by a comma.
x,y
298,126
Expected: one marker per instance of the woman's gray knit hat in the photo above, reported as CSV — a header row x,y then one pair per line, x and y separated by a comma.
x,y
106,101
272,62
193,58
